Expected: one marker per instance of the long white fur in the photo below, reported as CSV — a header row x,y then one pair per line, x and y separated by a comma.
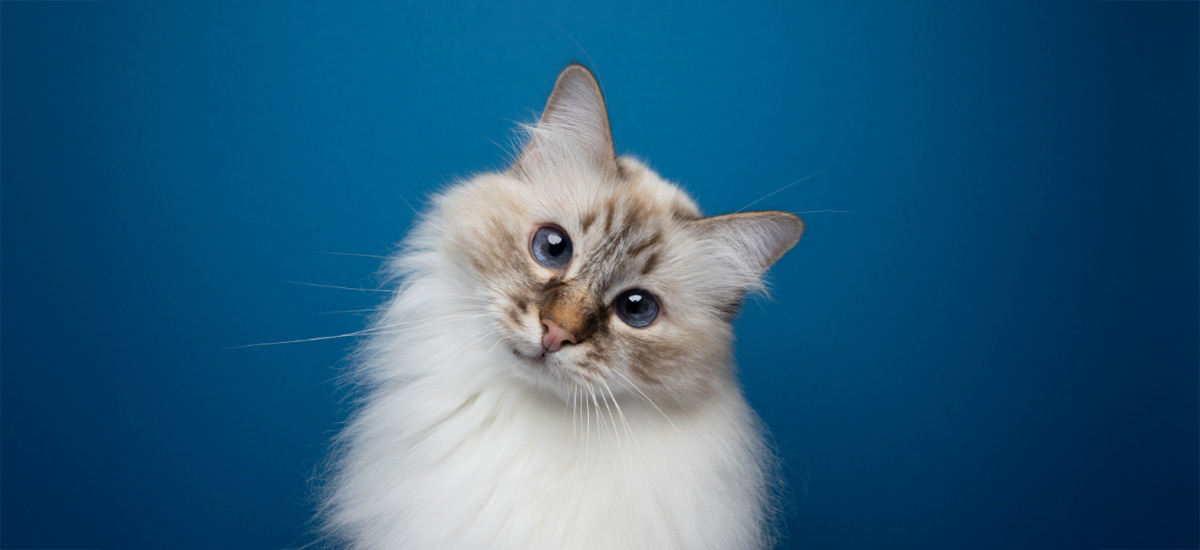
x,y
449,449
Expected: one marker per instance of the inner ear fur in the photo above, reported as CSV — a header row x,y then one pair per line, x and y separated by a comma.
x,y
753,241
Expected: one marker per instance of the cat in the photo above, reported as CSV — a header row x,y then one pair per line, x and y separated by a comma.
x,y
555,368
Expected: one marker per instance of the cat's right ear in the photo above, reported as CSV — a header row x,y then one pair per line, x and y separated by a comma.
x,y
740,247
573,130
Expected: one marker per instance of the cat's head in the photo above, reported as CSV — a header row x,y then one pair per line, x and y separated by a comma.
x,y
597,271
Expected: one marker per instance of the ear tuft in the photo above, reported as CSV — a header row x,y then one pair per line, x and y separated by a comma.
x,y
573,126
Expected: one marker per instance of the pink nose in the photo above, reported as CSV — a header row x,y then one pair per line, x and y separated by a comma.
x,y
555,336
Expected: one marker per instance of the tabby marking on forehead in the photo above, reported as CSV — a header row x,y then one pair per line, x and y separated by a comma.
x,y
646,243
610,210
651,262
587,221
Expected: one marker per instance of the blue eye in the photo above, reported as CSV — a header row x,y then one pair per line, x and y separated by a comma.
x,y
636,307
551,247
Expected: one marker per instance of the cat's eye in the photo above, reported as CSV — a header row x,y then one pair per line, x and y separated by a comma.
x,y
551,247
636,307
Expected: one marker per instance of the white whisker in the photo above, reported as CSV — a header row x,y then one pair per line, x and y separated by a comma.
x,y
574,410
600,425
370,331
356,254
368,310
760,199
648,400
476,298
366,331
624,421
611,417
493,346
359,289
409,204
587,437
627,451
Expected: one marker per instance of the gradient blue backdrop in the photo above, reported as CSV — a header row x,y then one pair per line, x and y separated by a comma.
x,y
994,347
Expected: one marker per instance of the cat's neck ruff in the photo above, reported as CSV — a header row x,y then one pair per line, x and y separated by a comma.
x,y
450,451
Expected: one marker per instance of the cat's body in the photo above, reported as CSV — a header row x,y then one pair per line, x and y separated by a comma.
x,y
521,392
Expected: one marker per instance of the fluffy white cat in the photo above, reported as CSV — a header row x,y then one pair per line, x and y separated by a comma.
x,y
555,369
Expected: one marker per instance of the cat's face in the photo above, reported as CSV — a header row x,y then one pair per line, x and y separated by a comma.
x,y
595,271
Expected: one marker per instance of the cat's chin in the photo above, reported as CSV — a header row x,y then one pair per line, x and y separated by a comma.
x,y
551,371
537,358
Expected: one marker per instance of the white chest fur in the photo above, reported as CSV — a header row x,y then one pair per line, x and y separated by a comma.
x,y
449,452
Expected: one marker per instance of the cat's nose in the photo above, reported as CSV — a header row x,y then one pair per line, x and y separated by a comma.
x,y
555,336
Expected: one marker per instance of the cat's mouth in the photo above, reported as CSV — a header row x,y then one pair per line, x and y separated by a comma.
x,y
539,357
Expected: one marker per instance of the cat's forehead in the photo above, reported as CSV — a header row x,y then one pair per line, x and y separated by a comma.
x,y
625,230
636,200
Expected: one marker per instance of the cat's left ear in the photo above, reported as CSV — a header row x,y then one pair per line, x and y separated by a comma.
x,y
573,129
744,245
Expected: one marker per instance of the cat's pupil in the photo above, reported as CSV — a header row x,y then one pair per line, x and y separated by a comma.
x,y
637,308
557,244
635,303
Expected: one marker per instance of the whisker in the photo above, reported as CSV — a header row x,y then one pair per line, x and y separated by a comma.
x,y
492,347
599,413
480,334
760,199
359,289
487,328
314,541
476,298
437,322
628,433
624,421
587,438
611,417
369,331
410,206
366,331
356,254
648,400
567,405
368,310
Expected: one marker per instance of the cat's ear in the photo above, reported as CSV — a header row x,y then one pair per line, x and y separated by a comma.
x,y
573,129
743,245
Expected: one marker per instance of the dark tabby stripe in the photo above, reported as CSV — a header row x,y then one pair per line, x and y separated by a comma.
x,y
651,263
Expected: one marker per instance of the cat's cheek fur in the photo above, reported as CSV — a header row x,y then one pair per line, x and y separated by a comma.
x,y
489,221
680,367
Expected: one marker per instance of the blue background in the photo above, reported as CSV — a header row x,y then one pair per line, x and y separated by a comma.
x,y
994,346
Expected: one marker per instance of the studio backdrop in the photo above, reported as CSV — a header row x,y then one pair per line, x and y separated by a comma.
x,y
987,337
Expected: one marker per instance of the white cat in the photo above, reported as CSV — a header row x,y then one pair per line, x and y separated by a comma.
x,y
555,368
